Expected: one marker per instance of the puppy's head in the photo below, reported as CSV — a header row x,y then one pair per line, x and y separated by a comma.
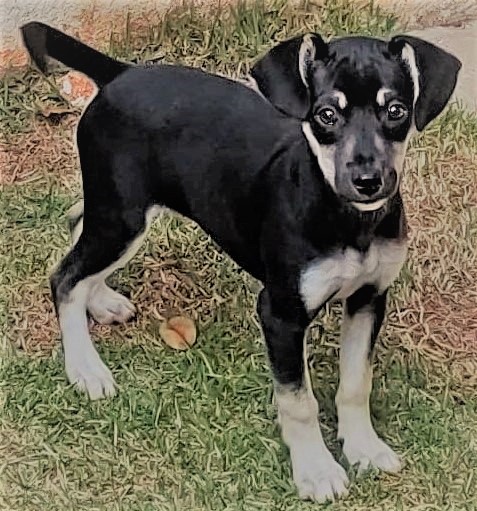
x,y
360,99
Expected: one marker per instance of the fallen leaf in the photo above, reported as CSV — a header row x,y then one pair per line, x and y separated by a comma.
x,y
178,332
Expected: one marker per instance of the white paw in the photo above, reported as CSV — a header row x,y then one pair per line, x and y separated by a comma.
x,y
106,306
90,375
370,451
319,478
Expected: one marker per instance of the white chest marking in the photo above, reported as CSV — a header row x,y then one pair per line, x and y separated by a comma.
x,y
344,272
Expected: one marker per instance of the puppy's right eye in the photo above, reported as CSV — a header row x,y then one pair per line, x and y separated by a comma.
x,y
327,116
396,111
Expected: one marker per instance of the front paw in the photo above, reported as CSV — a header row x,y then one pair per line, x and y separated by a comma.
x,y
370,451
319,478
89,374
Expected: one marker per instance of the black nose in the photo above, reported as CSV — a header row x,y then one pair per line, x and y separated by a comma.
x,y
367,184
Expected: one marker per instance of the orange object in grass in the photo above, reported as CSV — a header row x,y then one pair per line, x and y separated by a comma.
x,y
178,332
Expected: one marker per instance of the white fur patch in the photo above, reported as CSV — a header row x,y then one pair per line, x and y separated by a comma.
x,y
316,474
341,97
84,366
76,210
344,272
325,155
107,306
305,56
381,96
409,57
400,149
78,229
369,206
379,143
361,443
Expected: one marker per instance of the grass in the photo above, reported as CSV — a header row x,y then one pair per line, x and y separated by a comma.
x,y
196,430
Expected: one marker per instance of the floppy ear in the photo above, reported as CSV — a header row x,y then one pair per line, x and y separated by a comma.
x,y
433,71
282,74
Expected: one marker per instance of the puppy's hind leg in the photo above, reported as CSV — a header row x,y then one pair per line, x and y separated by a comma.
x,y
99,250
104,304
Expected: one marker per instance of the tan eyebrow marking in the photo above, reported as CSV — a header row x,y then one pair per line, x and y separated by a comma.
x,y
340,96
380,96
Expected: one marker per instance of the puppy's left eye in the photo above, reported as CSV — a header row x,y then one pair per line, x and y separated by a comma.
x,y
327,116
396,111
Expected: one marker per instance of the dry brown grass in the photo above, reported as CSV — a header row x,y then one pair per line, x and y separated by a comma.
x,y
47,150
441,302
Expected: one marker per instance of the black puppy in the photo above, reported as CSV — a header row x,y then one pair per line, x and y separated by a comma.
x,y
304,195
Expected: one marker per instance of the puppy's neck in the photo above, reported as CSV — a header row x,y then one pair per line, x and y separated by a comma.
x,y
362,227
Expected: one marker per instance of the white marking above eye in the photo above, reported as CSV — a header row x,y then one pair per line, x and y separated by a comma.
x,y
381,96
342,100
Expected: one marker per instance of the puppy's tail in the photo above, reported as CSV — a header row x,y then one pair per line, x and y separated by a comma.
x,y
43,41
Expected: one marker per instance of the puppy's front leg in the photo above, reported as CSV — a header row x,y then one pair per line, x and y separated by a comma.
x,y
315,472
363,316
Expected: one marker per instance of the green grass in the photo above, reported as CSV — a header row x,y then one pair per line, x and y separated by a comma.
x,y
196,430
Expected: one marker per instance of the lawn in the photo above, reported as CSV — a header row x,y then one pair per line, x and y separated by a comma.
x,y
196,430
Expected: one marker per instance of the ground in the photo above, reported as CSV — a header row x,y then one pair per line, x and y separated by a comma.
x,y
196,430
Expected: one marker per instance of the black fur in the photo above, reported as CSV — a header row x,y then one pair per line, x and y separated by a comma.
x,y
438,71
288,93
43,41
278,77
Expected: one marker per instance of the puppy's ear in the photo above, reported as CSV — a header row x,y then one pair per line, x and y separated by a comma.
x,y
433,71
282,74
